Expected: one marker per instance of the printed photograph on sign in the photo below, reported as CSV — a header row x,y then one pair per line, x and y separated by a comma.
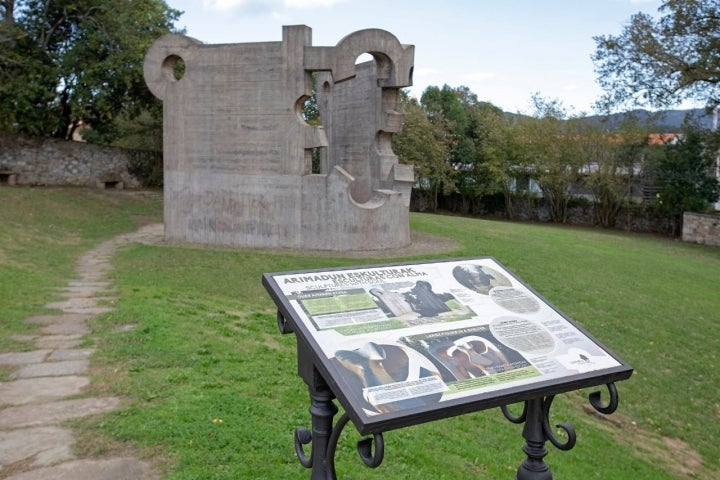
x,y
387,306
391,376
471,358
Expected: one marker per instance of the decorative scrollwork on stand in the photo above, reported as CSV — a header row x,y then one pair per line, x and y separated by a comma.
x,y
371,458
513,418
612,405
283,324
566,426
544,419
303,437
364,448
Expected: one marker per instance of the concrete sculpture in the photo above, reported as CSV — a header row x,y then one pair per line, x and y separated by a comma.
x,y
238,154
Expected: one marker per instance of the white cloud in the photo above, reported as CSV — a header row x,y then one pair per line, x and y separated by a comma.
x,y
224,5
311,3
266,5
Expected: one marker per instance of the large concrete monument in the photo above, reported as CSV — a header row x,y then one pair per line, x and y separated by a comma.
x,y
238,154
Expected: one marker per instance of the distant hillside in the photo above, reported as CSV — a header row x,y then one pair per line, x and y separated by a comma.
x,y
665,121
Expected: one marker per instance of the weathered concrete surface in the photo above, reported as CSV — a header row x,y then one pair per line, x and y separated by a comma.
x,y
238,157
23,358
111,469
43,446
52,369
32,443
57,319
70,354
24,391
52,413
70,328
58,341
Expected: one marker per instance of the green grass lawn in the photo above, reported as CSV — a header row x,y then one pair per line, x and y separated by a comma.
x,y
211,389
42,233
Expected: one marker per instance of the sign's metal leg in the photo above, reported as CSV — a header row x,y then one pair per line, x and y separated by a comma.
x,y
324,436
534,467
537,431
322,410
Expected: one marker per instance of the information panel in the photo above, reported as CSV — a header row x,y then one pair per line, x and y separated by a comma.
x,y
406,343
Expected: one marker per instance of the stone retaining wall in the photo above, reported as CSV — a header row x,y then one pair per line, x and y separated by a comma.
x,y
701,228
49,161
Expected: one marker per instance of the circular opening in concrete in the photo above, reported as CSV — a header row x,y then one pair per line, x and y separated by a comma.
x,y
307,109
362,58
174,68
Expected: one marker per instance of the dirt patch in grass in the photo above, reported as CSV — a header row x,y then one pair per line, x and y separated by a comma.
x,y
675,455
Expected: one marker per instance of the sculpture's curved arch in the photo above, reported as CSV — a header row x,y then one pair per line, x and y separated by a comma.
x,y
160,60
384,47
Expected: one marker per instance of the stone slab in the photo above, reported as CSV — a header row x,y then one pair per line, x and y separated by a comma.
x,y
43,445
84,292
110,469
70,354
33,390
52,369
24,338
23,358
58,341
57,319
67,329
73,303
54,412
89,283
92,311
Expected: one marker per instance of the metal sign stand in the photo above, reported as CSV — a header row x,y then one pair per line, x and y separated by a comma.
x,y
327,379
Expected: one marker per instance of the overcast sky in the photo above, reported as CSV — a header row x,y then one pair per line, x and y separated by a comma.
x,y
503,50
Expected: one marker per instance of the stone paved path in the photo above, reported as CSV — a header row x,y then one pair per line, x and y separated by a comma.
x,y
34,445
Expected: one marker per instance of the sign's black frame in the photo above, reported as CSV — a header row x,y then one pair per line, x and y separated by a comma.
x,y
336,380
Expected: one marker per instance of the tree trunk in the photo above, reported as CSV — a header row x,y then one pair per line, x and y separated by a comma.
x,y
8,12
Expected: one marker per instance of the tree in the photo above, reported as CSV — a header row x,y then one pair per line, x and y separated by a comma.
x,y
507,164
684,174
445,108
551,152
9,34
612,164
469,128
661,62
81,63
420,143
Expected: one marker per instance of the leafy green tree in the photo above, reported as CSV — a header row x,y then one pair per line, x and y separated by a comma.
x,y
552,154
661,62
9,34
684,174
508,163
447,109
81,63
471,136
421,144
612,163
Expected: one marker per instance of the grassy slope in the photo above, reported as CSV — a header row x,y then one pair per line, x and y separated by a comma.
x,y
43,231
211,385
206,349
